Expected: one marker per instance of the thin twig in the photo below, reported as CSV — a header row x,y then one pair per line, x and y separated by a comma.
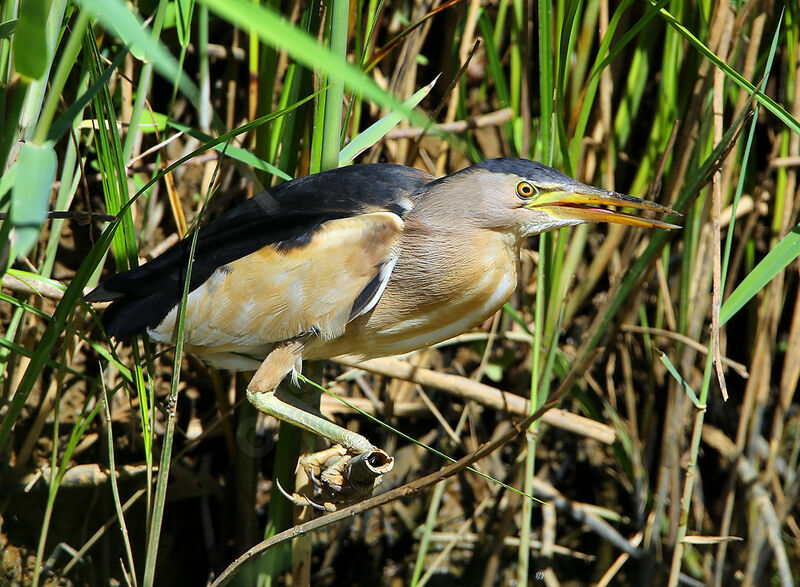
x,y
738,367
485,395
495,118
761,499
418,485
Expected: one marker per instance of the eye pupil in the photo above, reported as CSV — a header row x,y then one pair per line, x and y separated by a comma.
x,y
525,189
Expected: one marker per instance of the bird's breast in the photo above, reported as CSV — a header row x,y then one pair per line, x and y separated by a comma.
x,y
437,290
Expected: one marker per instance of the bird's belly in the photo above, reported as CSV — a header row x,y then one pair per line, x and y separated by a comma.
x,y
392,330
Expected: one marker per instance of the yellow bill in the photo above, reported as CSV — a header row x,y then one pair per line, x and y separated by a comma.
x,y
584,203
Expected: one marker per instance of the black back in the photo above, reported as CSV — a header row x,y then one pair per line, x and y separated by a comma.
x,y
285,216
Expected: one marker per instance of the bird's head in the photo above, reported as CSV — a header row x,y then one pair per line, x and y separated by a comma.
x,y
528,198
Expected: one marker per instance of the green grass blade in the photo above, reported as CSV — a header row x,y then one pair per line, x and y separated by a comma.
x,y
233,151
776,260
659,238
8,27
377,130
275,30
334,95
31,54
64,121
109,159
183,20
154,529
54,329
566,43
681,381
768,103
588,102
30,196
112,478
780,256
649,15
211,144
115,16
67,60
546,81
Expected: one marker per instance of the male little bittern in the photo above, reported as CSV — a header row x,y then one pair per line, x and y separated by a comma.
x,y
366,260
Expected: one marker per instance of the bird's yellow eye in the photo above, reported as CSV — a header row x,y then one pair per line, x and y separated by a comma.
x,y
525,190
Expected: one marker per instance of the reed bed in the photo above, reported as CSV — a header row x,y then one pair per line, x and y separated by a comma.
x,y
667,361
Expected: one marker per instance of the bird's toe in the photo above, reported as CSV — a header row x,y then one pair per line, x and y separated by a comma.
x,y
338,478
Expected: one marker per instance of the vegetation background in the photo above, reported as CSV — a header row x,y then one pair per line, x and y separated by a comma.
x,y
121,464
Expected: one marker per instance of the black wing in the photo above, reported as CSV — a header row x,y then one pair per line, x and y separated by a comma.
x,y
285,216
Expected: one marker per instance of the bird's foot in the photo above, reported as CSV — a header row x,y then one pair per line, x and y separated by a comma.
x,y
338,478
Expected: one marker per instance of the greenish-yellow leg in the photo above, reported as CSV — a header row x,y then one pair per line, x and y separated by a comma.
x,y
299,415
354,472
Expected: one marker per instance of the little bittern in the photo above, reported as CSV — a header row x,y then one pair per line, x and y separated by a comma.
x,y
366,260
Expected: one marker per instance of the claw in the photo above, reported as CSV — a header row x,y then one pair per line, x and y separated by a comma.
x,y
337,477
314,505
299,500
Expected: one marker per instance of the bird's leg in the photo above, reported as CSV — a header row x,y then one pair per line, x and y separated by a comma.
x,y
340,474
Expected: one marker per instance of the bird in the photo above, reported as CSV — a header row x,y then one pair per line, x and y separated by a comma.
x,y
366,260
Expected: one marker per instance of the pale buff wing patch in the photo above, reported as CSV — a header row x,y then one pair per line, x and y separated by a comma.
x,y
273,295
